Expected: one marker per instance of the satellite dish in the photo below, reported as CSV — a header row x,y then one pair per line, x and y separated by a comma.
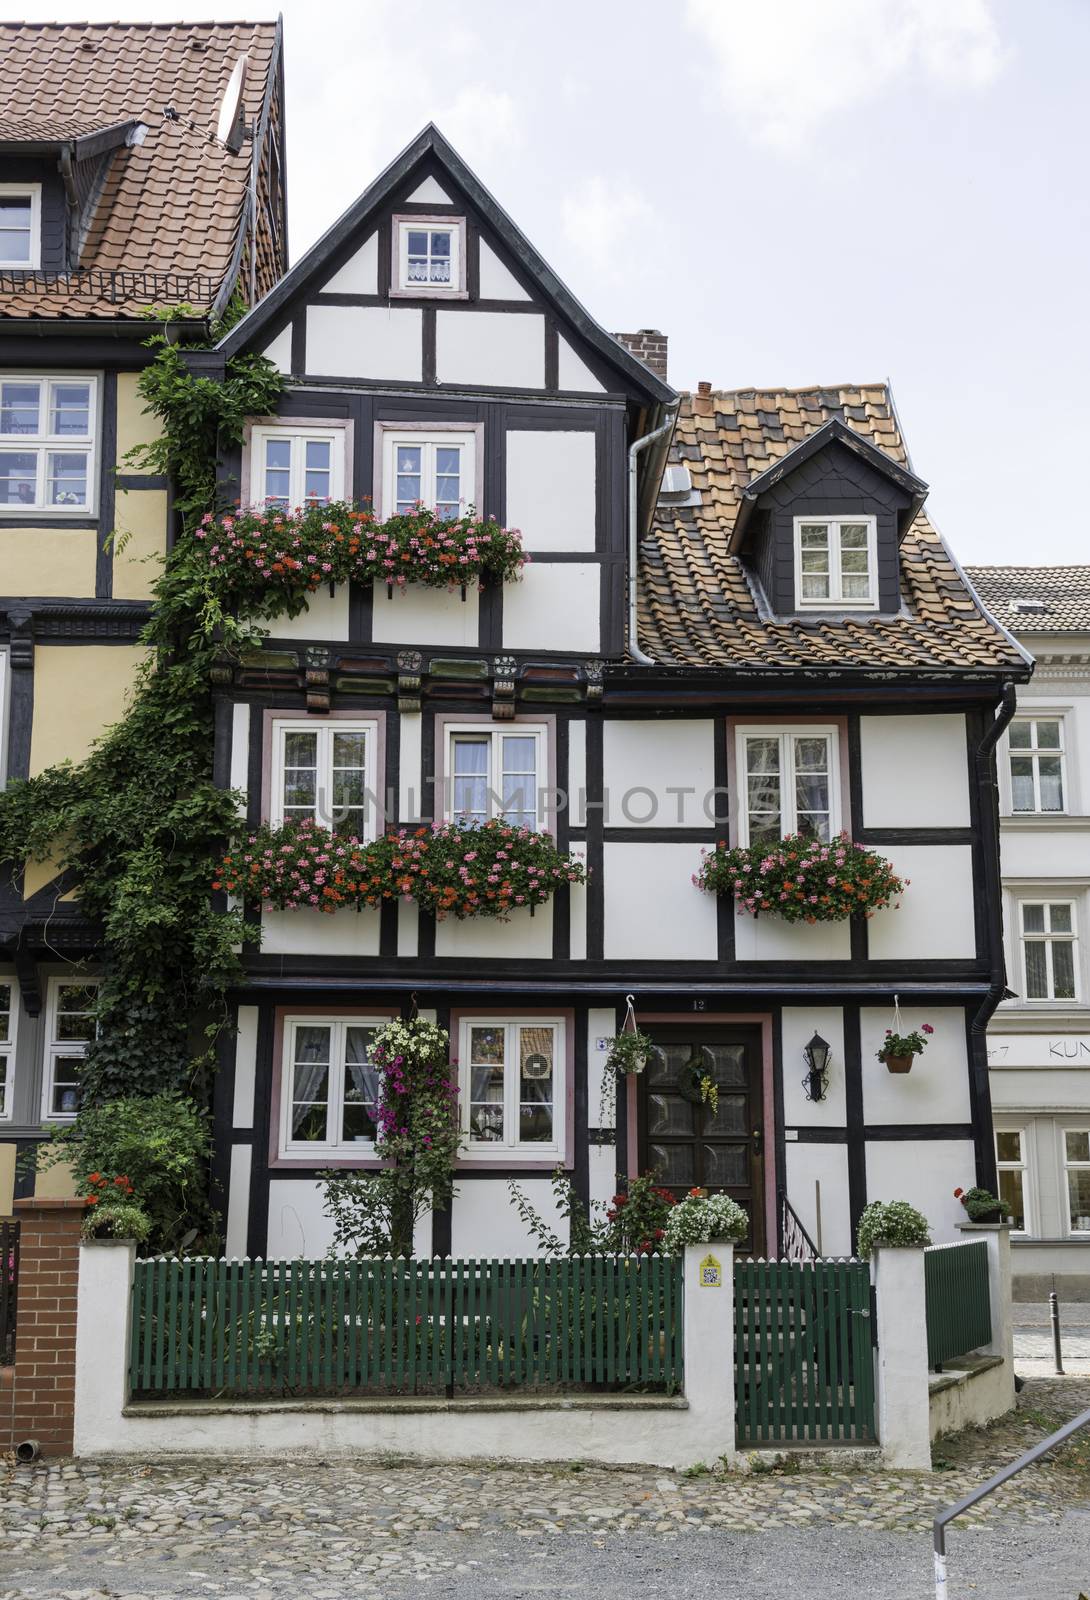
x,y
231,127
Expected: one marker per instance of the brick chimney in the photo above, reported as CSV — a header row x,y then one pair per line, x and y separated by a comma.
x,y
648,346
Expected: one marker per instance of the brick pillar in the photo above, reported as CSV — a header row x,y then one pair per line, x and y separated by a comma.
x,y
38,1400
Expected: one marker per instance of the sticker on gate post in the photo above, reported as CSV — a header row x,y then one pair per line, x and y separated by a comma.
x,y
711,1273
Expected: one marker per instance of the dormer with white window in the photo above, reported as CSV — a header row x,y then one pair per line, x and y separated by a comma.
x,y
820,530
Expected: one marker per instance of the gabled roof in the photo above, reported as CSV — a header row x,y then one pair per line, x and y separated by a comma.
x,y
1036,599
431,143
173,205
832,432
697,605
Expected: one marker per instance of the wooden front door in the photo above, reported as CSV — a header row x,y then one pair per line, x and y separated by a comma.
x,y
688,1144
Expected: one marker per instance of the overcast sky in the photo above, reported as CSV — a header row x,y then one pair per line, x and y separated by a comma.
x,y
796,191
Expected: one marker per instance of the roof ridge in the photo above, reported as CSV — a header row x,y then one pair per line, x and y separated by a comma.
x,y
218,22
783,388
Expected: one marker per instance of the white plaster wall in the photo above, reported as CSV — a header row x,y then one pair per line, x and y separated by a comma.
x,y
299,1226
245,1067
925,1172
577,773
496,282
968,1399
238,1200
490,347
936,1089
935,919
573,372
347,932
524,935
652,910
484,1221
240,749
915,772
577,912
769,938
658,756
279,352
324,616
1040,853
550,488
359,275
365,342
554,607
418,615
601,1095
410,767
408,928
810,1165
602,1163
799,1024
429,193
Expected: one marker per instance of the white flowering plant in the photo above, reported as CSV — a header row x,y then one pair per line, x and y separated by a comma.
x,y
700,1218
892,1222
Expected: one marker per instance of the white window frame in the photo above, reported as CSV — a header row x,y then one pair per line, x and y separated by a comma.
x,y
1048,938
1022,1166
1071,1166
298,434
787,733
495,733
510,1147
431,436
326,728
400,287
8,1048
835,600
1032,754
34,261
43,444
55,1048
335,1145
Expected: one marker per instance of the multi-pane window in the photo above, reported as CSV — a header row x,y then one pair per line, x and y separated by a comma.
x,y
325,770
8,1013
790,783
430,256
1012,1176
835,561
330,1089
1077,1170
292,467
495,773
435,470
1048,949
47,443
70,1028
20,226
512,1085
1037,764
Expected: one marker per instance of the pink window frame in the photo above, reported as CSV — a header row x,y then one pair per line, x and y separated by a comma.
x,y
330,1014
295,714
343,425
514,1159
735,786
445,720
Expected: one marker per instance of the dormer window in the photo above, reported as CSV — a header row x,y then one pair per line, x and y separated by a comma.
x,y
429,257
20,226
835,563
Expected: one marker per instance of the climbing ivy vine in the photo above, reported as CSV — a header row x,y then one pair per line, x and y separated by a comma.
x,y
139,825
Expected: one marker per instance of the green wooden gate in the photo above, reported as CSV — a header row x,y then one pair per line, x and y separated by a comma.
x,y
803,1352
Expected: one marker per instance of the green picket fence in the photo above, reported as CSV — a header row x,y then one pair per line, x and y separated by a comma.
x,y
803,1356
959,1308
204,1326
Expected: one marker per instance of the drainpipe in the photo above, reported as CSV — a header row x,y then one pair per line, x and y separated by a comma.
x,y
68,177
989,816
634,532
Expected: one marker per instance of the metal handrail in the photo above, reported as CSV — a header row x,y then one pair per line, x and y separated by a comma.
x,y
795,1243
1061,1436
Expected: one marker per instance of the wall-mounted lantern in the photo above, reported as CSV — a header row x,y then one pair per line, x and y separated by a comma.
x,y
816,1055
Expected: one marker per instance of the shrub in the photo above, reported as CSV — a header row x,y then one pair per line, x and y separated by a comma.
x,y
634,1222
159,1143
700,1218
128,1221
892,1222
802,879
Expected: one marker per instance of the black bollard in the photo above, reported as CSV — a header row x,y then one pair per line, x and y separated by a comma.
x,y
1054,1316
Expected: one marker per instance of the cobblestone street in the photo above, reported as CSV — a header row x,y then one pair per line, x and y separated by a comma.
x,y
332,1530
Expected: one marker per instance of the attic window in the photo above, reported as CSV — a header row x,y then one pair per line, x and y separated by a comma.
x,y
429,257
835,563
1029,608
20,226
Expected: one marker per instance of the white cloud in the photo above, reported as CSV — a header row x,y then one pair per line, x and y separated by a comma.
x,y
787,67
599,217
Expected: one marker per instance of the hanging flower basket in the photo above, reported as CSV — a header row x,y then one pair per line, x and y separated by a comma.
x,y
629,1053
251,557
486,871
899,1050
801,879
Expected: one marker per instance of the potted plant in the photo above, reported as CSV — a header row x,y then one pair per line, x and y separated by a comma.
x,y
892,1223
898,1049
700,1218
982,1205
802,879
629,1053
